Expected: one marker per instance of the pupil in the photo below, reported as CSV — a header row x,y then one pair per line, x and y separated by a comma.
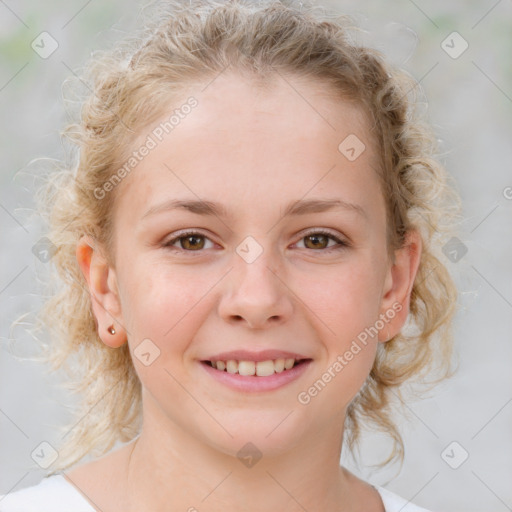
x,y
193,238
315,239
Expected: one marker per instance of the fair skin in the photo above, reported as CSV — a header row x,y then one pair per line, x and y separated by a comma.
x,y
254,152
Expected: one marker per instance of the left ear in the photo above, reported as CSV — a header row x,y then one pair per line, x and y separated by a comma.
x,y
398,285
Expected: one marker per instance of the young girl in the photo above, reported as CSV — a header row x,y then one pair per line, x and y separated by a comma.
x,y
247,246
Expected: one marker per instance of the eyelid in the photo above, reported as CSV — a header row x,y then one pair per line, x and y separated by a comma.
x,y
323,231
340,240
182,234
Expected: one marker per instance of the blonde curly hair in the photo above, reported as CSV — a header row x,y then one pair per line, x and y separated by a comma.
x,y
129,86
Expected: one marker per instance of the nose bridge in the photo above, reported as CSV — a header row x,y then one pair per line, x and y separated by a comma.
x,y
254,269
255,293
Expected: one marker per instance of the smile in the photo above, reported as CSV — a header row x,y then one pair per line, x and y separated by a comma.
x,y
256,376
259,368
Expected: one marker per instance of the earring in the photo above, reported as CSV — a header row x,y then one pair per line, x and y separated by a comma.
x,y
111,330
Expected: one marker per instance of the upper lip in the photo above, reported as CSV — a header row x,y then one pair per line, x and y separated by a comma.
x,y
264,355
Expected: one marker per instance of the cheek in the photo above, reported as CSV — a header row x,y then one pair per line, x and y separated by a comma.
x,y
160,303
346,298
163,309
346,304
346,307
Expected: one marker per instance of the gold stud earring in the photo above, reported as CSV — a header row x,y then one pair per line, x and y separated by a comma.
x,y
111,330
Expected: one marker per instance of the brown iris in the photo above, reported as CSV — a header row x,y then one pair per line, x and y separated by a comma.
x,y
192,242
318,240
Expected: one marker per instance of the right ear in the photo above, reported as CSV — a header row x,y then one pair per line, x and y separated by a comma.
x,y
102,282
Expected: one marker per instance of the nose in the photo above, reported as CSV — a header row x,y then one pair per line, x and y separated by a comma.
x,y
256,295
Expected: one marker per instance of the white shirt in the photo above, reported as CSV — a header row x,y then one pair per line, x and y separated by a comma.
x,y
56,494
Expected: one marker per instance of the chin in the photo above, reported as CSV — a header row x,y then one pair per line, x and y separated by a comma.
x,y
258,433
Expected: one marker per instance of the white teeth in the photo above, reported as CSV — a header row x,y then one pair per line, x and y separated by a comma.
x,y
279,365
288,363
232,366
264,368
260,368
246,367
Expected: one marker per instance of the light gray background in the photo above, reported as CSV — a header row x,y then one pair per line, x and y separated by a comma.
x,y
470,104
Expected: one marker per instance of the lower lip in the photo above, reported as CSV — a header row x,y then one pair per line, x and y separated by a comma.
x,y
253,383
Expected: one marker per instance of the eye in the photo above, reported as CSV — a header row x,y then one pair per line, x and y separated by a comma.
x,y
319,239
193,241
190,241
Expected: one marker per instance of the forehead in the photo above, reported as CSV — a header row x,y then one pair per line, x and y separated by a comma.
x,y
244,142
296,107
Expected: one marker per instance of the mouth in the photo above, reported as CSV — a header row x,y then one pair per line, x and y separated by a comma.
x,y
247,368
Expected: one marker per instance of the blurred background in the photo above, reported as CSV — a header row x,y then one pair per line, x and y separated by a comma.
x,y
458,438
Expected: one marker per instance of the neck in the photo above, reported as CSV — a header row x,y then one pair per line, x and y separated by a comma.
x,y
170,469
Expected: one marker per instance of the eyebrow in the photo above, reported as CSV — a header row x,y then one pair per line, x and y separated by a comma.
x,y
298,207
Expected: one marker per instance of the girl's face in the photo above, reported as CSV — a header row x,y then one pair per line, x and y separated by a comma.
x,y
255,224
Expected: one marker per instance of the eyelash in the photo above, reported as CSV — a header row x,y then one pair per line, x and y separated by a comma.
x,y
341,243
